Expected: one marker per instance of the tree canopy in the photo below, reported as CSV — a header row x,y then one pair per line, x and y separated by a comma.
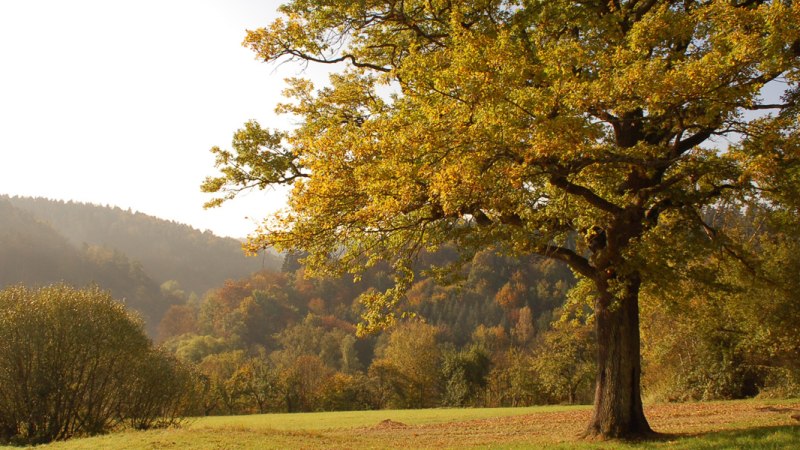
x,y
595,133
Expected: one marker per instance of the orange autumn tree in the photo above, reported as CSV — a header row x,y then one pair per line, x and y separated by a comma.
x,y
521,124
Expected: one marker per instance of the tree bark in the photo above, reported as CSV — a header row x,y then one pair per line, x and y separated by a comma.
x,y
618,411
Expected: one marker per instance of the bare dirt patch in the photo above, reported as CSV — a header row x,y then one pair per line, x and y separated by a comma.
x,y
390,424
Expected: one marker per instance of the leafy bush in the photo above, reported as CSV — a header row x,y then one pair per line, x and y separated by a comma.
x,y
159,391
76,362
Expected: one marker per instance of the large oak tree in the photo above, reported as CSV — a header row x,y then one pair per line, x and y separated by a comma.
x,y
523,124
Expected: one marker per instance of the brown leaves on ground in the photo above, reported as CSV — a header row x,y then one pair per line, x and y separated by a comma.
x,y
675,419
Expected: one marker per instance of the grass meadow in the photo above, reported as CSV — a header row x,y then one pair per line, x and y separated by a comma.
x,y
748,424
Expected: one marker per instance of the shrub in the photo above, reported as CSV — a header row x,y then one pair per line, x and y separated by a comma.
x,y
75,362
159,392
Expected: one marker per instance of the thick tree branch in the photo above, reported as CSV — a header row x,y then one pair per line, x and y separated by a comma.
x,y
682,146
574,260
769,106
651,215
481,218
593,199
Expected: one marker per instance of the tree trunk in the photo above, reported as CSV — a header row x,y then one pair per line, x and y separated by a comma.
x,y
618,409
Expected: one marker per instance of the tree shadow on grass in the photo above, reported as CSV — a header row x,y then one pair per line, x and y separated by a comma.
x,y
766,437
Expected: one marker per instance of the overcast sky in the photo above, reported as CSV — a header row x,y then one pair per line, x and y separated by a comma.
x,y
118,102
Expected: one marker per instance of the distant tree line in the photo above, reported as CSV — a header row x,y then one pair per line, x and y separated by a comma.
x,y
501,331
167,250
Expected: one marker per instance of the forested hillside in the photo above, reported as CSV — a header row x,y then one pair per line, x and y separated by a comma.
x,y
279,341
35,254
499,331
31,251
148,262
166,250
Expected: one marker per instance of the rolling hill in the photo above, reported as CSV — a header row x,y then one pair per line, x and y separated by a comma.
x,y
45,241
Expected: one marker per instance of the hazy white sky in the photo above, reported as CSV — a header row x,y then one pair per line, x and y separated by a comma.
x,y
118,102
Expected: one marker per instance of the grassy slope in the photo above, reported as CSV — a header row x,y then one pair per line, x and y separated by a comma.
x,y
712,425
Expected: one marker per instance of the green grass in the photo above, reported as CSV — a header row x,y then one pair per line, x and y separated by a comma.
x,y
771,438
718,425
781,437
351,419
